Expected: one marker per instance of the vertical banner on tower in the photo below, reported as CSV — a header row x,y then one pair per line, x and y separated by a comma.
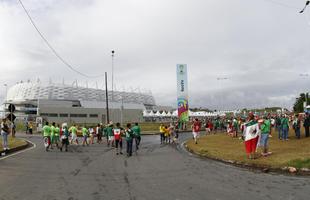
x,y
182,92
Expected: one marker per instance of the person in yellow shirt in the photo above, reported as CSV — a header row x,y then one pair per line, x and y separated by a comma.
x,y
167,135
162,133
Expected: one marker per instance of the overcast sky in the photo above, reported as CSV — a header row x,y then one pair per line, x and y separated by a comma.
x,y
261,46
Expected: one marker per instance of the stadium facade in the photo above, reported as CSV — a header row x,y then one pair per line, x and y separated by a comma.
x,y
70,103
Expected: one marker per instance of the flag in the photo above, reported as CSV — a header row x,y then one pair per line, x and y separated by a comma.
x,y
251,136
182,93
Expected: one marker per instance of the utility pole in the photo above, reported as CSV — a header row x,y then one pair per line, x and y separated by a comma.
x,y
106,96
113,74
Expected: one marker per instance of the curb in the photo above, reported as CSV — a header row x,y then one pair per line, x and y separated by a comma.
x,y
15,149
158,133
254,167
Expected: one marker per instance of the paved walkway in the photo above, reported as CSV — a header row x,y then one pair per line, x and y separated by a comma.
x,y
156,172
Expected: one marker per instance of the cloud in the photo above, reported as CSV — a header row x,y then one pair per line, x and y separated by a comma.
x,y
262,47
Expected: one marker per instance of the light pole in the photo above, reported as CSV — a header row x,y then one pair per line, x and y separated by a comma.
x,y
112,89
113,74
107,97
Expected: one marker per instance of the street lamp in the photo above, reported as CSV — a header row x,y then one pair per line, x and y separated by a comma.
x,y
112,74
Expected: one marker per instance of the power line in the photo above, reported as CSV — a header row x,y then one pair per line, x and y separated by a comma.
x,y
51,47
281,4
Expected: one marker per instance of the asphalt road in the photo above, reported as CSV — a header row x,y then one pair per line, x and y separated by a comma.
x,y
155,172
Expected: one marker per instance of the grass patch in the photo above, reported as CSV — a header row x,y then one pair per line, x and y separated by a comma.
x,y
13,142
285,153
299,163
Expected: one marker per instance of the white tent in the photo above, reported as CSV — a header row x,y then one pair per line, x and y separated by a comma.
x,y
157,114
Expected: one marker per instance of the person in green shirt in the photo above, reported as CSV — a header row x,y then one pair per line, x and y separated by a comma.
x,y
73,131
265,131
53,128
47,135
109,132
129,138
57,135
285,127
137,135
85,135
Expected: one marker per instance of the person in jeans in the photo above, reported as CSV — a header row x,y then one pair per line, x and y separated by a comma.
x,y
162,133
296,126
265,131
285,127
118,132
129,139
4,133
137,134
307,124
278,127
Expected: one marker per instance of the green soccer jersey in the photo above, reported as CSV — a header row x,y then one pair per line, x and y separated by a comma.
x,y
110,131
265,127
52,130
84,131
129,134
284,123
136,130
73,130
46,131
57,131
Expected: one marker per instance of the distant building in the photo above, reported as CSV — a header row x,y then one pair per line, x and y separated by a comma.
x,y
73,104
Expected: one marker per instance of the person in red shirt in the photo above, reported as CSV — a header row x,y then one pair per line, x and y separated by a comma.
x,y
118,131
196,129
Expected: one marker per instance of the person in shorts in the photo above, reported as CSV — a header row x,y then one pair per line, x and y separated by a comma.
x,y
85,136
110,134
47,134
196,130
73,131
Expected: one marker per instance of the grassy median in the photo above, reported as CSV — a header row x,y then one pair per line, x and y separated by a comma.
x,y
295,153
13,142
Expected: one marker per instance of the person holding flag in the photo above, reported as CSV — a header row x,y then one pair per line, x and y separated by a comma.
x,y
251,134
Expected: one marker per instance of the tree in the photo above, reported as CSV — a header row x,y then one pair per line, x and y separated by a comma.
x,y
299,103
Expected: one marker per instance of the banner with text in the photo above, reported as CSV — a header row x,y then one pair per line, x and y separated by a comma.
x,y
182,92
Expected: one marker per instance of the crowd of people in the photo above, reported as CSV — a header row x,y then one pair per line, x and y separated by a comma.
x,y
60,137
169,134
255,130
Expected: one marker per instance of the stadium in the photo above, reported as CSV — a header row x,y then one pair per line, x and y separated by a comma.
x,y
74,104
